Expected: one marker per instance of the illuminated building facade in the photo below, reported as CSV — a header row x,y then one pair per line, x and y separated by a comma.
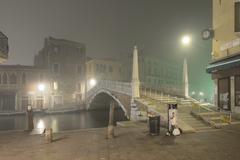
x,y
225,65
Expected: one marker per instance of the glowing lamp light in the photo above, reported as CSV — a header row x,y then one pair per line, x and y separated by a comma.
x,y
40,124
41,87
186,40
193,93
92,82
201,94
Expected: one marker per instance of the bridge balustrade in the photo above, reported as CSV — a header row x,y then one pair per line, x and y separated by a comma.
x,y
115,86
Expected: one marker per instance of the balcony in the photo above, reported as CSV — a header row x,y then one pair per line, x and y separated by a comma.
x,y
9,87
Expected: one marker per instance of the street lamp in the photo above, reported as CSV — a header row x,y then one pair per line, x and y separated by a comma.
x,y
186,40
201,94
92,82
41,87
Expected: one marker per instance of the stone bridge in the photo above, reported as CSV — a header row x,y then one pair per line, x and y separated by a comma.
x,y
120,92
123,94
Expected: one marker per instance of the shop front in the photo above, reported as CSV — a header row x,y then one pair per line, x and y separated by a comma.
x,y
226,75
224,94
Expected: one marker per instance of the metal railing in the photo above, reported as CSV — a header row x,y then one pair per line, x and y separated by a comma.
x,y
158,95
209,113
161,90
199,107
226,117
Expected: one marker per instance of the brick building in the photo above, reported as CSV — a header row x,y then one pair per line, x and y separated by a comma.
x,y
65,61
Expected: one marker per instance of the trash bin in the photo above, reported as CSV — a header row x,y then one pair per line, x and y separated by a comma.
x,y
154,125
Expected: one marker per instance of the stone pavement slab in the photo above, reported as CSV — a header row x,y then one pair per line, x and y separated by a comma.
x,y
129,144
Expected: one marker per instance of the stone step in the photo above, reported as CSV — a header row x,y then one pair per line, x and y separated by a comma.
x,y
158,98
186,117
185,101
193,122
204,128
215,118
198,125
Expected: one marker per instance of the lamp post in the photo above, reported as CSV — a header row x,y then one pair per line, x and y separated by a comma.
x,y
186,40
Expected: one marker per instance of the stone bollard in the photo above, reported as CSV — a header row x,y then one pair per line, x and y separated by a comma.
x,y
48,135
110,131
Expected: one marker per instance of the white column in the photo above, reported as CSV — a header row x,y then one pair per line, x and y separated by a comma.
x,y
135,75
185,78
18,101
111,121
232,93
84,90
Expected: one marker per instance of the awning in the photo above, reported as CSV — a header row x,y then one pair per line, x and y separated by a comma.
x,y
224,64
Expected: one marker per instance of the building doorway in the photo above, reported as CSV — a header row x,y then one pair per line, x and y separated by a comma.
x,y
7,101
224,94
237,91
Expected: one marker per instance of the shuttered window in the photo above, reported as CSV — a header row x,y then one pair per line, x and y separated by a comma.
x,y
237,16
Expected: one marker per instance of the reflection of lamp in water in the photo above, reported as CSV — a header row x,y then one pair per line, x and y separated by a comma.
x,y
55,124
40,124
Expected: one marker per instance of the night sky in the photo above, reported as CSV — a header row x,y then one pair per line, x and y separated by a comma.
x,y
110,28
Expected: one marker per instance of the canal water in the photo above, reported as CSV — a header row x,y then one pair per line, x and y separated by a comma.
x,y
61,122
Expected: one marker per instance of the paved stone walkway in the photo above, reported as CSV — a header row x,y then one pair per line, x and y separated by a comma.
x,y
129,144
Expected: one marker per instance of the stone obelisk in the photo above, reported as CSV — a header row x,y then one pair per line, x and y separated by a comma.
x,y
135,75
135,85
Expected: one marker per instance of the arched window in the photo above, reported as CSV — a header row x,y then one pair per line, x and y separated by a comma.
x,y
23,78
4,78
13,79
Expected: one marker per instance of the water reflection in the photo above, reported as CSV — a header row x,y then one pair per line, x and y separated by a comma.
x,y
61,122
40,126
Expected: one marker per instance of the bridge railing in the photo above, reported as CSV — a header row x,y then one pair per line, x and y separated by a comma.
x,y
115,86
149,90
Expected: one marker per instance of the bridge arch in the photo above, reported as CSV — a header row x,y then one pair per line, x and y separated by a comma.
x,y
110,94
